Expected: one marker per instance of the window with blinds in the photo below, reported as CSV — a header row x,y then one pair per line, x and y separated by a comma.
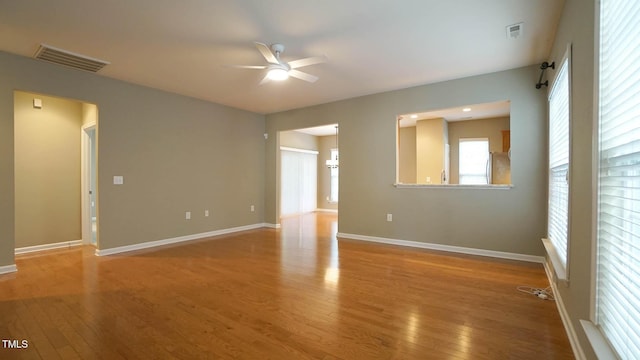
x,y
473,161
298,181
558,207
618,197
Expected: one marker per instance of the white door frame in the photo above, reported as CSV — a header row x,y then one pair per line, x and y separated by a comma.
x,y
85,171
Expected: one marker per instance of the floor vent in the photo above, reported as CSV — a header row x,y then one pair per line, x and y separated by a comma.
x,y
67,58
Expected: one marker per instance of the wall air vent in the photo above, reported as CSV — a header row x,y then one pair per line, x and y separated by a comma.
x,y
514,31
67,58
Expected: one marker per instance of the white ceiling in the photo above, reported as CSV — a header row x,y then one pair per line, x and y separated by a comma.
x,y
372,45
324,130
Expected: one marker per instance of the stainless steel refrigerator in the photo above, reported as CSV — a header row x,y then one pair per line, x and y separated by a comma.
x,y
499,168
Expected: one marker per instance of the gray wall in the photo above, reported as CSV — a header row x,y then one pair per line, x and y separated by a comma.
x,y
502,220
577,26
176,154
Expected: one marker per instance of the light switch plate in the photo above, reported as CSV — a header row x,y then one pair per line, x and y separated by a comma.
x,y
118,180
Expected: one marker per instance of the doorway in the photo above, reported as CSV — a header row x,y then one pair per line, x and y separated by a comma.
x,y
51,163
311,186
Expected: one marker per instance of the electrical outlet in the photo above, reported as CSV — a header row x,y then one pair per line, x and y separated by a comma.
x,y
206,213
253,208
187,215
389,217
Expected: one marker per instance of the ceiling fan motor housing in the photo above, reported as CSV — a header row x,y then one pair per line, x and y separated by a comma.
x,y
277,49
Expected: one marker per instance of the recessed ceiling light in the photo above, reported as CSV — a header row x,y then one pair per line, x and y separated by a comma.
x,y
466,109
414,116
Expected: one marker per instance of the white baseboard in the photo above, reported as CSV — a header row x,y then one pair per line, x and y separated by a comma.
x,y
8,269
58,245
151,244
272,226
447,248
564,315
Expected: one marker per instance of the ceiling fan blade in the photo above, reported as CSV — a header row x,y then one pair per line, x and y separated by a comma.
x,y
259,67
266,52
265,80
303,76
307,61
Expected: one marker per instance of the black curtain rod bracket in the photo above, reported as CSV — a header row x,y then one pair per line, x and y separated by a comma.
x,y
544,67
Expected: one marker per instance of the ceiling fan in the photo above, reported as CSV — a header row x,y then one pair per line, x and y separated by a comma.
x,y
280,70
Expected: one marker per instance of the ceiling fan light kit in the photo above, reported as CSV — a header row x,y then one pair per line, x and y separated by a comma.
x,y
279,70
278,73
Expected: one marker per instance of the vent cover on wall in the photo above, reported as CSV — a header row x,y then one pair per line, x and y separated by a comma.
x,y
514,31
67,58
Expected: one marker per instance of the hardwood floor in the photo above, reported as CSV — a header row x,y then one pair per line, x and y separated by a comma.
x,y
293,293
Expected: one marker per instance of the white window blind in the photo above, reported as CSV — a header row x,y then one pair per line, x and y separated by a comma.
x,y
618,235
558,207
473,161
298,181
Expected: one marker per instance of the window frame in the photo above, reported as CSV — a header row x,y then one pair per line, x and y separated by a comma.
x,y
598,341
561,270
460,175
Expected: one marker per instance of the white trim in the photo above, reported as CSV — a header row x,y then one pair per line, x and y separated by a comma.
x,y
314,152
569,56
85,177
566,55
447,248
43,247
562,270
599,344
564,316
595,166
556,263
152,244
271,226
327,210
8,269
454,186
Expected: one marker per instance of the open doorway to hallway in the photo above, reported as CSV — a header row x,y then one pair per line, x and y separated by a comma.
x,y
309,172
55,172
